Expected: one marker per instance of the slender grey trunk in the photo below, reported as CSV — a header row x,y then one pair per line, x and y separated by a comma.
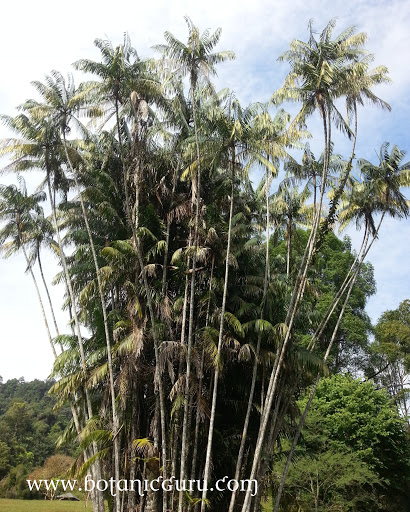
x,y
221,327
165,267
115,419
157,373
72,406
137,245
50,339
330,217
124,171
293,308
201,376
197,419
96,466
131,494
312,394
106,330
336,299
314,190
289,244
255,364
47,292
196,192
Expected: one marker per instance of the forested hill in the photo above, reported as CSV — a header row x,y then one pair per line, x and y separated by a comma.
x,y
29,428
34,393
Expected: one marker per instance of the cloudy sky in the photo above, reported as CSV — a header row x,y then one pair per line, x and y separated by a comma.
x,y
37,37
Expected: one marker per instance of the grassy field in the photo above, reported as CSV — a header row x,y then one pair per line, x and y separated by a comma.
x,y
60,506
43,506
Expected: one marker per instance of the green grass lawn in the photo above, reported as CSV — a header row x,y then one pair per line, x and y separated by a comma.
x,y
44,506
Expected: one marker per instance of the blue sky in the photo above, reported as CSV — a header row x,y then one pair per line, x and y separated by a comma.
x,y
37,37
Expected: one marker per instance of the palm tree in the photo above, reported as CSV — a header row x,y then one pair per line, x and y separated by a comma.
x,y
317,70
357,86
195,328
21,212
270,138
42,236
309,170
378,192
125,81
62,102
288,210
317,67
388,177
40,148
26,226
196,60
233,125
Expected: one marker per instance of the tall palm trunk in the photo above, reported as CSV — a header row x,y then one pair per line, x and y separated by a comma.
x,y
114,411
313,391
297,295
258,346
166,252
289,244
336,299
40,300
314,191
72,405
220,338
99,502
348,277
196,191
40,266
334,203
158,376
137,246
124,170
164,287
201,376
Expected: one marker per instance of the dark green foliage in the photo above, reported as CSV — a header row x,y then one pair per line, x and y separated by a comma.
x,y
327,273
357,442
389,364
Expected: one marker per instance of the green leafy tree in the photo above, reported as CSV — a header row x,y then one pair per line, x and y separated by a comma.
x,y
349,415
331,481
390,361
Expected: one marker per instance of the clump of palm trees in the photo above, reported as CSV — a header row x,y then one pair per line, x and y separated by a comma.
x,y
183,356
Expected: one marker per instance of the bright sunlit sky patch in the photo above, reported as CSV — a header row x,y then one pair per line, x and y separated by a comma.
x,y
37,37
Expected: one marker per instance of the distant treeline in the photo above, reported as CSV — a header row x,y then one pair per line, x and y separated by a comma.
x,y
29,429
